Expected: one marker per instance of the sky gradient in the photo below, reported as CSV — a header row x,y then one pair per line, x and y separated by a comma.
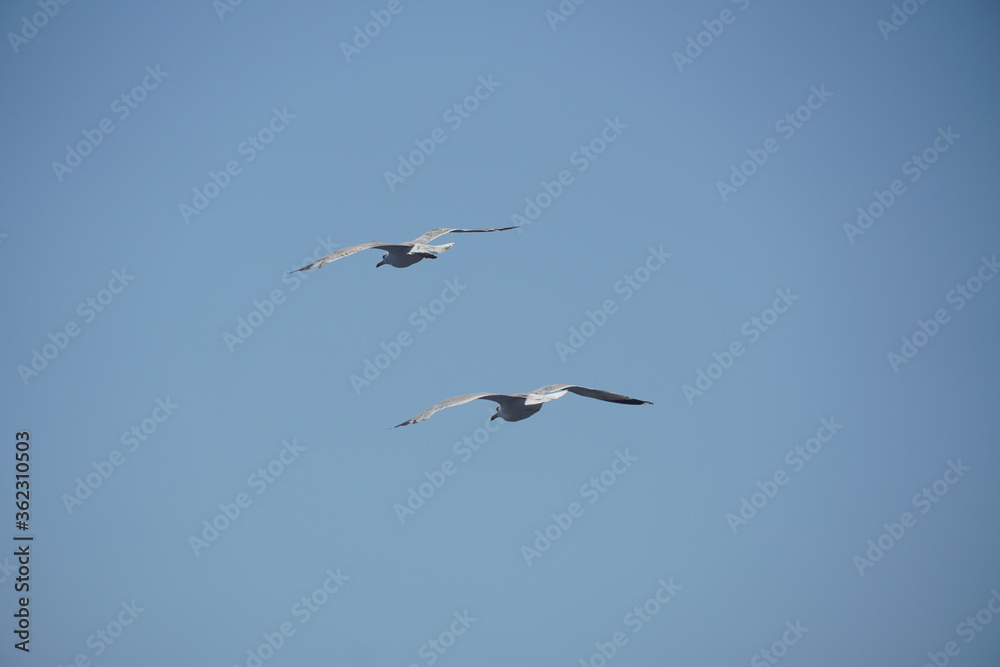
x,y
775,221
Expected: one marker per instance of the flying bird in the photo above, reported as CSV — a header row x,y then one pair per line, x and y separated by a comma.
x,y
401,255
515,407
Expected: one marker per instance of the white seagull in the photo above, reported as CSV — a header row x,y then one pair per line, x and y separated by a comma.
x,y
515,407
401,255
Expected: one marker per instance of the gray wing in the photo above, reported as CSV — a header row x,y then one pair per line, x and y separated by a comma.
x,y
441,231
344,252
451,402
599,394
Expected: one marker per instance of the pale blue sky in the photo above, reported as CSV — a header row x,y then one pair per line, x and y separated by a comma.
x,y
261,112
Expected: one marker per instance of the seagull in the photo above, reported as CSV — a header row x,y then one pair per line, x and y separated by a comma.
x,y
515,407
401,255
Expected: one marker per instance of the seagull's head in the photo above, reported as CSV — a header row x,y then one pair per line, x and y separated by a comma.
x,y
495,415
382,261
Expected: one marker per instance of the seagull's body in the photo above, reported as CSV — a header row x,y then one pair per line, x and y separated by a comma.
x,y
515,407
401,255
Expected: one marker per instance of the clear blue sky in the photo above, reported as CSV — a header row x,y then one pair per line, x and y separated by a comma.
x,y
697,171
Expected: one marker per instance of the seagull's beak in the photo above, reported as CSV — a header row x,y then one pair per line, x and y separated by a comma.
x,y
494,416
381,262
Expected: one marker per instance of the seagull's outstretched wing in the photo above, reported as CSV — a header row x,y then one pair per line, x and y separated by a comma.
x,y
451,402
441,231
344,252
599,394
